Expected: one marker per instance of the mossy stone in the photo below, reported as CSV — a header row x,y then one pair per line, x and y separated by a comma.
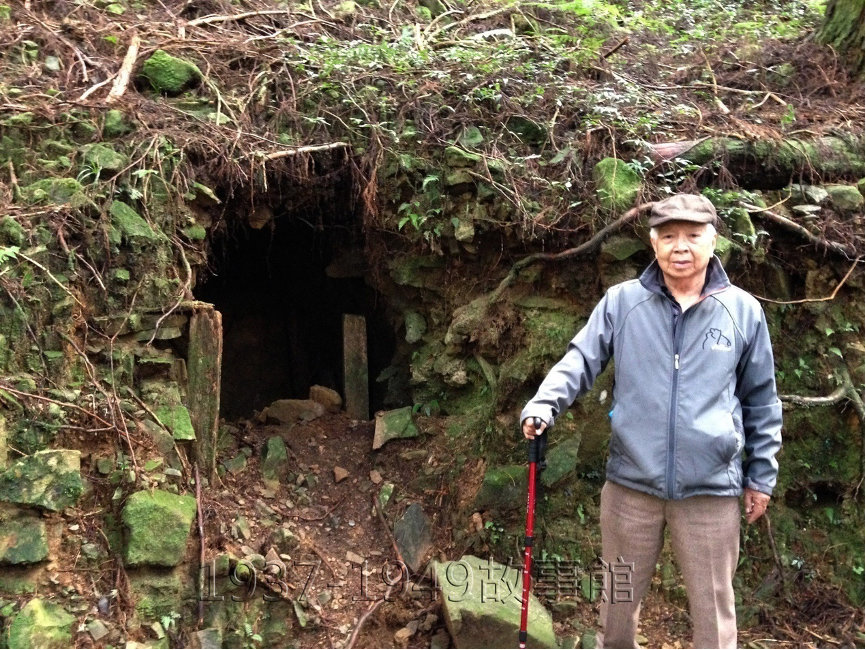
x,y
159,592
115,124
724,248
561,461
23,540
104,157
846,198
157,525
275,458
55,190
41,624
178,421
195,232
130,224
457,157
47,479
502,489
12,233
741,224
481,605
416,326
620,248
394,424
169,74
616,184
457,177
527,130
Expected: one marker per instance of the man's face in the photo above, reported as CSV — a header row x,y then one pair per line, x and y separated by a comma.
x,y
683,249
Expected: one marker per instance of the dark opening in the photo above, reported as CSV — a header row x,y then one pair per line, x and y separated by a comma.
x,y
282,315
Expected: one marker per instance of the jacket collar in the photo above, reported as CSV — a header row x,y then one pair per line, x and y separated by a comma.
x,y
717,280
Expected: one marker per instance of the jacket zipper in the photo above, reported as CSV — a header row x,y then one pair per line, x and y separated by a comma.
x,y
672,423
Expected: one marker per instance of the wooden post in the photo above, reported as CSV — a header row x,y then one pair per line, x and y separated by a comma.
x,y
355,374
204,364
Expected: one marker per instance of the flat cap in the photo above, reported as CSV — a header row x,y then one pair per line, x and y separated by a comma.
x,y
683,207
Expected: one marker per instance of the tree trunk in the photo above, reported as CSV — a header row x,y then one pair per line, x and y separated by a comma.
x,y
843,30
770,164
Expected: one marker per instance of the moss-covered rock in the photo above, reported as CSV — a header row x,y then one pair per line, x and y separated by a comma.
x,y
457,157
55,190
481,604
47,479
11,232
846,198
23,540
115,124
177,419
616,184
619,248
159,592
169,74
529,131
274,460
130,225
104,157
416,326
394,424
502,489
157,526
561,461
41,624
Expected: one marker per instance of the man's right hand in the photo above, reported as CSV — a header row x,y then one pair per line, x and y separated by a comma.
x,y
529,431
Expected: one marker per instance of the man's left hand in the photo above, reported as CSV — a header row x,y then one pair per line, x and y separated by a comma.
x,y
755,504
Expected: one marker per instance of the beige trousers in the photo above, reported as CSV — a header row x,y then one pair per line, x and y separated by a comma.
x,y
705,534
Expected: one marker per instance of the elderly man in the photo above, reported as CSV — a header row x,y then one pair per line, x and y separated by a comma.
x,y
694,389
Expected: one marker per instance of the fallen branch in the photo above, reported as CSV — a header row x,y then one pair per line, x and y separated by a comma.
x,y
366,615
824,299
121,81
308,149
54,401
772,539
613,50
469,19
836,247
319,518
209,20
467,316
13,181
585,247
56,281
846,391
378,507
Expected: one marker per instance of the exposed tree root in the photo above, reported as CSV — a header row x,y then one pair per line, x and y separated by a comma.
x,y
846,391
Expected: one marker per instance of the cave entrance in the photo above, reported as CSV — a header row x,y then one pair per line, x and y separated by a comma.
x,y
282,288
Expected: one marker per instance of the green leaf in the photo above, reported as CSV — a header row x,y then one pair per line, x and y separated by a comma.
x,y
837,352
402,223
427,180
151,465
8,253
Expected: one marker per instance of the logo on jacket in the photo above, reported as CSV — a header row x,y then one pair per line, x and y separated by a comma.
x,y
716,340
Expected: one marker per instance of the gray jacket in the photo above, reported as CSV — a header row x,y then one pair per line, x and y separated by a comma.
x,y
692,390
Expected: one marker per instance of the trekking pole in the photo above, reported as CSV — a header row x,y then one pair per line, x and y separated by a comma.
x,y
536,450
